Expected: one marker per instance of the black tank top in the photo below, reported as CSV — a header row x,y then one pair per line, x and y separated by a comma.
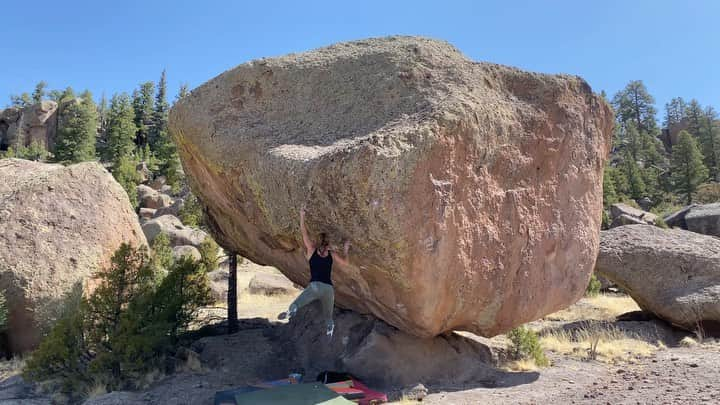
x,y
321,268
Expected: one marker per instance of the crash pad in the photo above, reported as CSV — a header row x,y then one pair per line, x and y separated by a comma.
x,y
293,394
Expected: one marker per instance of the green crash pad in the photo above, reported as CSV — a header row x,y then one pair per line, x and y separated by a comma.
x,y
293,394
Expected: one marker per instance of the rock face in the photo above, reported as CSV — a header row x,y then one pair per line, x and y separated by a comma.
x,y
58,225
704,219
22,126
471,192
673,273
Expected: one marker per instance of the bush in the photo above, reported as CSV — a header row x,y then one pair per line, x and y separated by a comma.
x,y
660,223
128,327
191,213
162,252
708,193
125,172
209,254
525,345
593,287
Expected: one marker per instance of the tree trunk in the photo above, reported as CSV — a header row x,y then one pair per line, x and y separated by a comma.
x,y
232,293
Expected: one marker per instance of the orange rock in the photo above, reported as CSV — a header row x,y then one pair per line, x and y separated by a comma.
x,y
471,192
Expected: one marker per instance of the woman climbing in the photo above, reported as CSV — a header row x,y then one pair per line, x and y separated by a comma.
x,y
320,287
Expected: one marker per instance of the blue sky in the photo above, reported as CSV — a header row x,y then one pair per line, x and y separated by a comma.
x,y
111,46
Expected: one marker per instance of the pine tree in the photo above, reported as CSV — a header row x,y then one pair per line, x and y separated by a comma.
x,y
158,134
688,170
182,92
674,112
143,100
77,129
22,100
67,95
710,142
609,193
121,128
39,92
631,170
101,143
695,115
635,104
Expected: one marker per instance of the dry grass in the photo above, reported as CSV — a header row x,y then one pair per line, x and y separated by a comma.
x,y
9,368
603,343
96,390
522,365
687,341
599,307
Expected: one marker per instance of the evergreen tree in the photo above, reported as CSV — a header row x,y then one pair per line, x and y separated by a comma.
x,y
695,115
635,104
22,100
182,92
143,100
39,92
631,170
67,95
688,170
710,142
121,128
609,193
158,135
77,129
674,112
101,144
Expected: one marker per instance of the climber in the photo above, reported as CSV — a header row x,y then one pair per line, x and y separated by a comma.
x,y
320,288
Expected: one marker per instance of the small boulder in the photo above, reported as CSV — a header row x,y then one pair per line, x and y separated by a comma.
x,y
143,171
173,209
616,210
704,219
178,233
149,198
192,251
270,284
672,273
157,183
625,219
147,213
219,284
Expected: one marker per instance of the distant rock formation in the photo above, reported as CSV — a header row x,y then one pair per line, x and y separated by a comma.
x,y
21,126
471,192
58,225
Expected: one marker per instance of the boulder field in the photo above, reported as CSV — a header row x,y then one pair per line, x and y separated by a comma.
x,y
58,225
471,192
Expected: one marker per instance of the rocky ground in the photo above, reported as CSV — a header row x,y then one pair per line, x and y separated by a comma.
x,y
650,364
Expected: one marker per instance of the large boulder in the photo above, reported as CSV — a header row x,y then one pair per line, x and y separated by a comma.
x,y
471,192
58,225
677,218
173,209
189,251
704,219
178,233
672,273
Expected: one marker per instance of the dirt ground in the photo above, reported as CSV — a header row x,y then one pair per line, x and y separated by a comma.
x,y
638,360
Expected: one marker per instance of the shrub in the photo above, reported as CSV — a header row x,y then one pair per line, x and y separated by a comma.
x,y
708,193
525,345
125,172
191,213
660,223
126,328
593,287
162,253
209,254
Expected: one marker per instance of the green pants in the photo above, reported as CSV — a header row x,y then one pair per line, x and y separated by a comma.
x,y
317,291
